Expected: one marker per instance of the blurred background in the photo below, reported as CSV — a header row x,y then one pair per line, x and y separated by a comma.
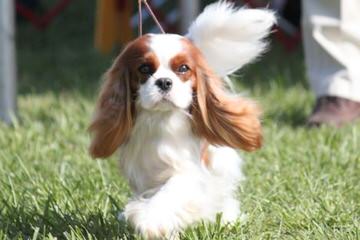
x,y
65,45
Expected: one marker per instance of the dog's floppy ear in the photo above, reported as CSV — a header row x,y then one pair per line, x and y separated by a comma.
x,y
114,114
223,118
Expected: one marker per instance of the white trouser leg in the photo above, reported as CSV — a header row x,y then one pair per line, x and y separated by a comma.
x,y
331,31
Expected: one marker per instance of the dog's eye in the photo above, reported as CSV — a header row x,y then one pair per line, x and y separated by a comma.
x,y
146,69
183,68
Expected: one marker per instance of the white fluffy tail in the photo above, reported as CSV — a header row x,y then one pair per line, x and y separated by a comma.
x,y
230,38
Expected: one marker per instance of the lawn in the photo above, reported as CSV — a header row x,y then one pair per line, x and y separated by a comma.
x,y
303,184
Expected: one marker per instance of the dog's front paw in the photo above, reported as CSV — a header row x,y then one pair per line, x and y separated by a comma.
x,y
150,222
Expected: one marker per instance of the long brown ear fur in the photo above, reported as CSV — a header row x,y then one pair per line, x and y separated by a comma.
x,y
223,119
114,114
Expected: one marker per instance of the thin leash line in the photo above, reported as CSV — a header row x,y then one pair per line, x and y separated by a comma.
x,y
151,14
140,17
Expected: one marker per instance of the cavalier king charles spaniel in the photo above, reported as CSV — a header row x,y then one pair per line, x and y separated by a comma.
x,y
165,107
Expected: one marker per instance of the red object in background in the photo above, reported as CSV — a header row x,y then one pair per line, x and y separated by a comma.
x,y
289,41
41,22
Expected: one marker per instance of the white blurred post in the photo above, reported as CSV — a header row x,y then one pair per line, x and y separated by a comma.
x,y
7,60
189,9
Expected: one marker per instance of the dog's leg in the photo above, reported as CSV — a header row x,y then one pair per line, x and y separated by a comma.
x,y
231,210
176,204
225,164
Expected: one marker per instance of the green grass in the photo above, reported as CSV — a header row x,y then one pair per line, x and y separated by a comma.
x,y
303,184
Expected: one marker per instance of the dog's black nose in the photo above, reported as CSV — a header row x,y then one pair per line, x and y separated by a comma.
x,y
164,84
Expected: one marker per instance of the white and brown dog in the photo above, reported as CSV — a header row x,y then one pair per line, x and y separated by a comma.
x,y
164,107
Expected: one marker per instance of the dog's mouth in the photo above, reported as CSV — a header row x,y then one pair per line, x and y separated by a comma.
x,y
166,98
165,104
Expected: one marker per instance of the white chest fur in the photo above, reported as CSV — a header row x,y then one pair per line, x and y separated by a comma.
x,y
161,145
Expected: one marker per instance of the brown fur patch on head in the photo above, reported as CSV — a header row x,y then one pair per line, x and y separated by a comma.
x,y
220,117
115,110
183,59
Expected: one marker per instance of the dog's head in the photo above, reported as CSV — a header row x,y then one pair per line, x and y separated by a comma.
x,y
168,72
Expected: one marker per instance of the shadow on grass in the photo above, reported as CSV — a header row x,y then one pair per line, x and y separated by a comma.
x,y
278,67
275,77
295,116
17,222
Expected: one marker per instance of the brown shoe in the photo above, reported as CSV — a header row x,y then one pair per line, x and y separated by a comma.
x,y
335,111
